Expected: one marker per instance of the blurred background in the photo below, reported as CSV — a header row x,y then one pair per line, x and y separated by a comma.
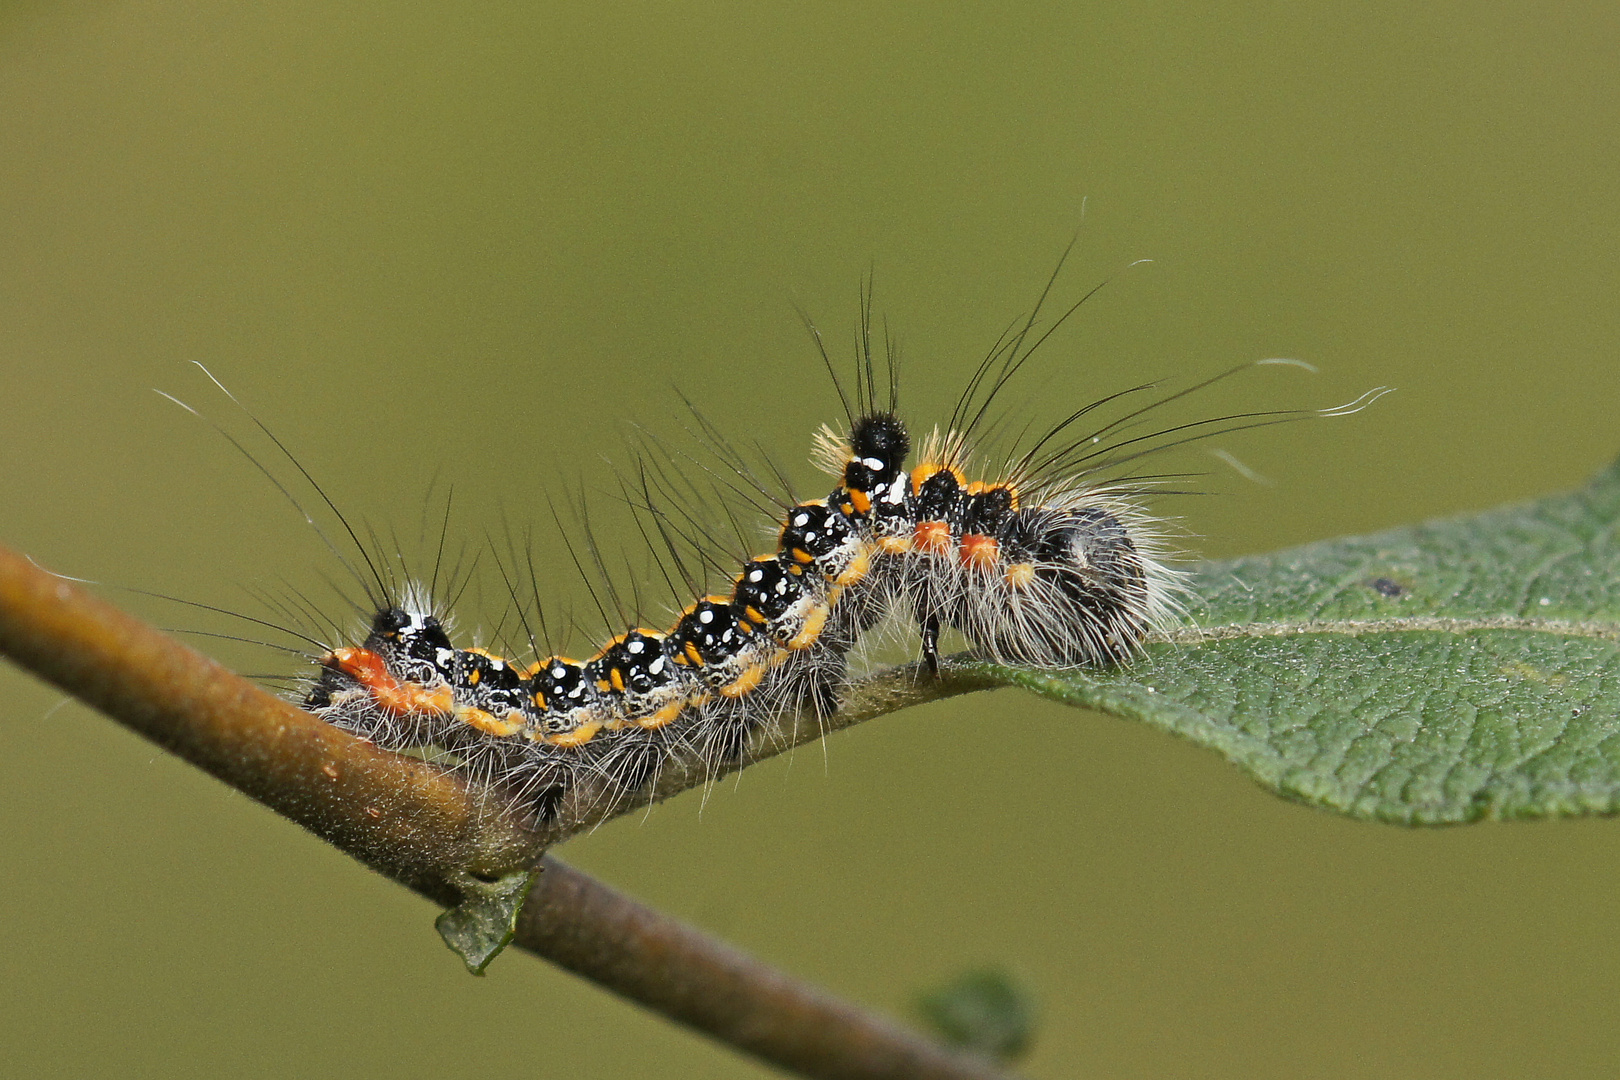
x,y
473,242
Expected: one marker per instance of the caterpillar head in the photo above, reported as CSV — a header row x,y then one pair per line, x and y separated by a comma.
x,y
878,445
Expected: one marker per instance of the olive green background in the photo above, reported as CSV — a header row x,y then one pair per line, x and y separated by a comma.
x,y
475,241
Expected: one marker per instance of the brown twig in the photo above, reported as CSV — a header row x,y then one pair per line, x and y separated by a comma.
x,y
577,922
426,829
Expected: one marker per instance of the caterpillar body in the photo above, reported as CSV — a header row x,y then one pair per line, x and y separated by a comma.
x,y
1042,564
1069,577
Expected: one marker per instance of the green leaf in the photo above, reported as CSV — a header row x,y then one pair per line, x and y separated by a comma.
x,y
479,927
984,1012
1460,669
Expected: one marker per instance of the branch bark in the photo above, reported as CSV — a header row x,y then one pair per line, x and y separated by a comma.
x,y
427,829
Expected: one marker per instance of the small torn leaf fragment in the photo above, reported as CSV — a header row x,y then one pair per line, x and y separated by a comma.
x,y
479,927
983,1012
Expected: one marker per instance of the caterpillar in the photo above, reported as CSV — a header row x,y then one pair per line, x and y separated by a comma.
x,y
1039,563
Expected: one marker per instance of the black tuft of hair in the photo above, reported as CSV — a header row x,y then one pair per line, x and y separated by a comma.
x,y
881,438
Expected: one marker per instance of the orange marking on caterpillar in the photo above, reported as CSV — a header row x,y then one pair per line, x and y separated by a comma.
x,y
487,722
434,700
362,665
578,737
857,568
746,682
658,719
399,698
979,552
1021,575
932,536
814,624
860,500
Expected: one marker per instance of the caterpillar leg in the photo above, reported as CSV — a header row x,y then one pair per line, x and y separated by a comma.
x,y
930,641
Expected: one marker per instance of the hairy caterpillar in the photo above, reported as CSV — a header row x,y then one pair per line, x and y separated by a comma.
x,y
1047,561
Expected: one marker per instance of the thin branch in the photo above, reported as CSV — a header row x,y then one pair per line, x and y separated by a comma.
x,y
427,829
404,818
577,922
